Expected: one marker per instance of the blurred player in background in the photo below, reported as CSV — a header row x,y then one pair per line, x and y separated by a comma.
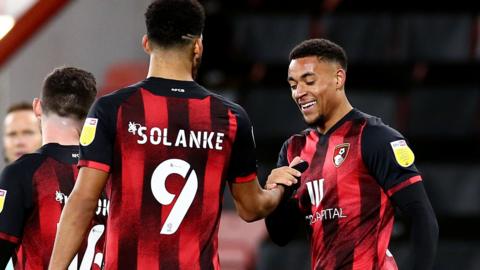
x,y
34,189
359,169
170,146
21,132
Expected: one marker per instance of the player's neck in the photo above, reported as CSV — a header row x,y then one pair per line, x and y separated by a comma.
x,y
336,115
170,64
61,130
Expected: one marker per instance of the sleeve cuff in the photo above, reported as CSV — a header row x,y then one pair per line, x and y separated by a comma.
x,y
404,184
95,165
246,178
9,238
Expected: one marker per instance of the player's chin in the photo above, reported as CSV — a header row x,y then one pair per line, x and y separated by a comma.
x,y
313,121
309,119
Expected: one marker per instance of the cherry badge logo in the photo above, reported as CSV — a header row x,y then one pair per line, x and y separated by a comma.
x,y
340,154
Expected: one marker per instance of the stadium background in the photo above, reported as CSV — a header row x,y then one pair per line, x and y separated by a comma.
x,y
414,65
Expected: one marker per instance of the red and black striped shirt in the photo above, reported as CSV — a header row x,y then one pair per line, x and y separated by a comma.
x,y
344,194
170,147
34,190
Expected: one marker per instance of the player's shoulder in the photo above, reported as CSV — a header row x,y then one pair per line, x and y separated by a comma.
x,y
234,107
25,165
118,96
303,135
376,130
224,100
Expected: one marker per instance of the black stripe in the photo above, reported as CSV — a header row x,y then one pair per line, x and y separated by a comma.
x,y
370,203
345,256
127,244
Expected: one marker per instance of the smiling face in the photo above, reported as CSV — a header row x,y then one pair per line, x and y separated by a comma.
x,y
315,84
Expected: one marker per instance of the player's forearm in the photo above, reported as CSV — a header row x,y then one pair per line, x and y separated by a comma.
x,y
414,203
74,222
282,223
261,204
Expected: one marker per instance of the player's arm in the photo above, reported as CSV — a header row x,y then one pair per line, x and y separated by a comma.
x,y
414,204
15,200
283,222
389,158
253,202
77,215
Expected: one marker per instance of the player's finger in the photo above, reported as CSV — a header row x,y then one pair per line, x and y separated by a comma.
x,y
270,186
295,161
283,177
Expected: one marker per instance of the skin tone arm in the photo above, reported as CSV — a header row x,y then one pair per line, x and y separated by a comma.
x,y
253,202
76,216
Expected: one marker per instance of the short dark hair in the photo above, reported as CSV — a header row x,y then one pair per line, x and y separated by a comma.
x,y
69,92
323,48
21,106
174,22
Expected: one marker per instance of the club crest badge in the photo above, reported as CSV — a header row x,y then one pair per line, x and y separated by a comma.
x,y
340,154
88,131
403,154
3,196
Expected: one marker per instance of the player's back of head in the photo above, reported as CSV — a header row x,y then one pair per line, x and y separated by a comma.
x,y
173,23
68,92
324,49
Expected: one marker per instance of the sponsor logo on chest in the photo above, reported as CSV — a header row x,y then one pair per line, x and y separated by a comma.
x,y
316,192
184,138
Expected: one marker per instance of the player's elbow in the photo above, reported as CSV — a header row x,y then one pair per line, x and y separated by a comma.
x,y
249,215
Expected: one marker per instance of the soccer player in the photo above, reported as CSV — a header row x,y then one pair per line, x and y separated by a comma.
x,y
21,132
34,189
359,169
170,147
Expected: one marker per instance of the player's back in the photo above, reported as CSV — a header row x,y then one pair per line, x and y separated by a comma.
x,y
173,142
35,189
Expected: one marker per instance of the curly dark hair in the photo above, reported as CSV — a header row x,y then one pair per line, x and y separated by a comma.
x,y
323,48
69,92
174,22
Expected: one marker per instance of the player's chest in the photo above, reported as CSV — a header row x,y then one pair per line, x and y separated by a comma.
x,y
332,184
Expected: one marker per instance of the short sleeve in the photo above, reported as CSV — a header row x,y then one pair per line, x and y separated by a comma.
x,y
243,162
13,203
97,138
388,158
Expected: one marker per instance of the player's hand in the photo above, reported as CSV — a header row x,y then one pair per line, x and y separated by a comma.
x,y
285,175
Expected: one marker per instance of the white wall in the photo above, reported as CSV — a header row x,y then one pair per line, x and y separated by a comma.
x,y
88,34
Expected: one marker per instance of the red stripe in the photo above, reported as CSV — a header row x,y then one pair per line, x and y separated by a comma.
x,y
246,179
39,237
95,165
9,238
406,183
191,241
146,208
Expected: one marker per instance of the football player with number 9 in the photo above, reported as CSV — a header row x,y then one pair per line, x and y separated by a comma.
x,y
170,146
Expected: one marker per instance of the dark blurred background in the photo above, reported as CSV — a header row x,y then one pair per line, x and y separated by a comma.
x,y
414,64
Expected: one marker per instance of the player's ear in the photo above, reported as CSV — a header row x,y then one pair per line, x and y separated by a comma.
x,y
146,44
198,46
341,76
37,107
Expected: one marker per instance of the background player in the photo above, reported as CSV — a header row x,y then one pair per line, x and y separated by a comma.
x,y
170,146
21,132
359,168
34,189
